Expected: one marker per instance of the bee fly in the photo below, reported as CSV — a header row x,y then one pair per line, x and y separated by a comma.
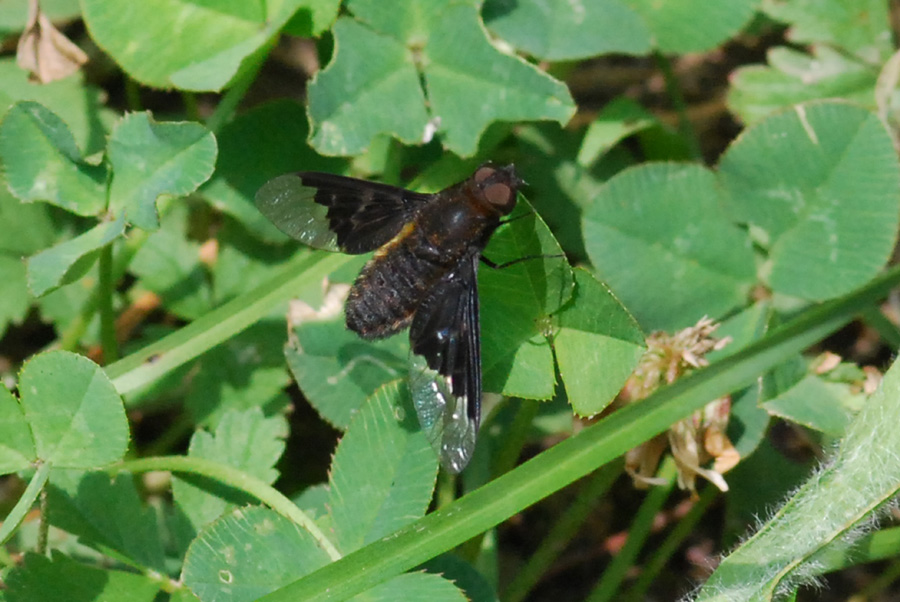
x,y
423,276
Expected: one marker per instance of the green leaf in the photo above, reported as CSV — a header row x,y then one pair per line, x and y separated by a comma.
x,y
15,301
80,105
465,576
617,120
748,499
516,302
246,440
62,306
471,84
817,404
183,595
413,586
597,346
383,472
558,187
195,45
674,25
658,235
168,264
243,372
561,33
150,159
373,84
313,18
75,413
313,500
793,77
81,503
266,141
70,260
40,579
861,27
828,513
821,182
16,443
333,366
27,227
748,422
43,163
370,87
743,328
408,21
243,262
247,554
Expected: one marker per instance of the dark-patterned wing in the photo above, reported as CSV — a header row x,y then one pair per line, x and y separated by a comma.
x,y
336,213
445,365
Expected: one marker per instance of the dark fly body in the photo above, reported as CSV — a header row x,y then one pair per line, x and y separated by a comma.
x,y
423,276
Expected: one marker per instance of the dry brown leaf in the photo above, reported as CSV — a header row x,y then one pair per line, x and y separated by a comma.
x,y
44,51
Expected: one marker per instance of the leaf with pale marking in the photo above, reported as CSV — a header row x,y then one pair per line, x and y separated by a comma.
x,y
819,183
150,159
659,237
75,413
197,45
516,304
42,162
597,346
373,85
383,472
247,554
556,33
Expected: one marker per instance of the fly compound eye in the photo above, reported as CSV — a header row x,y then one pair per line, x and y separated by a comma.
x,y
484,172
500,195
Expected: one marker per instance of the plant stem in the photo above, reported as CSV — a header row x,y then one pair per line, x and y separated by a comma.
x,y
661,555
301,275
562,532
191,107
106,291
505,457
685,128
233,477
640,529
71,336
233,96
44,526
132,94
20,510
516,436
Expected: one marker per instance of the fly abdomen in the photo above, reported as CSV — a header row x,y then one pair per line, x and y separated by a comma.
x,y
389,289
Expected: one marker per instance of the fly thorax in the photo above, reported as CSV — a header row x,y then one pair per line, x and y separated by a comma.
x,y
452,228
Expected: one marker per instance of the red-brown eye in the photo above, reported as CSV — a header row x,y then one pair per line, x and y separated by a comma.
x,y
498,194
484,173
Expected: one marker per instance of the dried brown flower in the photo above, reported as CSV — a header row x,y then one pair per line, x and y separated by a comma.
x,y
699,438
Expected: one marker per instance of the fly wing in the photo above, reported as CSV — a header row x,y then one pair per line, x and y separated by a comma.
x,y
337,213
445,365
